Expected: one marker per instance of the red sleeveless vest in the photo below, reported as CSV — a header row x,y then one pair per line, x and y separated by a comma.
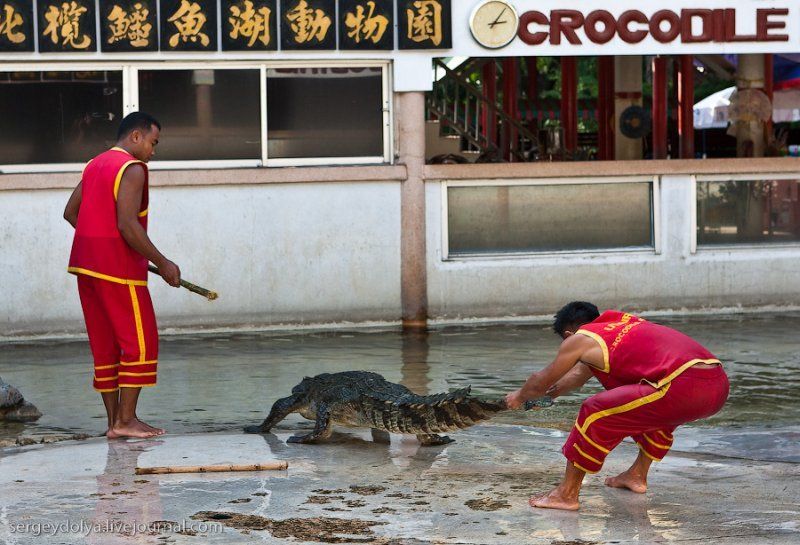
x,y
98,248
635,350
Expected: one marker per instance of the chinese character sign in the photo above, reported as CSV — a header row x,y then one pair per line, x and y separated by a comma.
x,y
188,25
366,24
16,25
308,24
424,24
128,25
249,25
66,26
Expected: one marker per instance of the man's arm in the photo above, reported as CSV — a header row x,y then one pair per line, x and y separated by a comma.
x,y
129,199
575,378
539,382
74,205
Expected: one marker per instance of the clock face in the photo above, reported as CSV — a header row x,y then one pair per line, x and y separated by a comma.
x,y
494,23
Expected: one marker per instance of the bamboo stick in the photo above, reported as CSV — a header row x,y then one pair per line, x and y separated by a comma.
x,y
161,470
208,294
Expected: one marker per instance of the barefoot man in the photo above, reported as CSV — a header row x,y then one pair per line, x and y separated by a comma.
x,y
655,378
110,251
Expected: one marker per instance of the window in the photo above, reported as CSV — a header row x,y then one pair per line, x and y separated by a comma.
x,y
325,112
748,211
58,116
206,114
218,114
550,217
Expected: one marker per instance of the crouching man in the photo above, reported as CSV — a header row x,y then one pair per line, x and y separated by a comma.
x,y
655,378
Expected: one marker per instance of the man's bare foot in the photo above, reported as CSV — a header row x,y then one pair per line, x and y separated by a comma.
x,y
157,431
133,429
627,479
555,499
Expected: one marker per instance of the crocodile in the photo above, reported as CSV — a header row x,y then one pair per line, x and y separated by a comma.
x,y
358,399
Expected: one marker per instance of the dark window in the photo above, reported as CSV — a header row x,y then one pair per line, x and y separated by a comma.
x,y
58,117
324,112
204,114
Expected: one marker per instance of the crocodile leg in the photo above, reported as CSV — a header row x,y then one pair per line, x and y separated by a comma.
x,y
321,431
380,436
432,439
280,410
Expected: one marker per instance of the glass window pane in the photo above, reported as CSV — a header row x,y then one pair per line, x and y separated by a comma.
x,y
324,112
204,114
549,218
58,117
748,211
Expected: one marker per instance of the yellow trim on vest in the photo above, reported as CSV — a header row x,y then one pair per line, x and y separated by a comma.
x,y
137,316
120,172
603,347
123,374
101,276
643,451
96,368
657,445
672,376
636,403
143,213
589,439
582,468
135,363
595,460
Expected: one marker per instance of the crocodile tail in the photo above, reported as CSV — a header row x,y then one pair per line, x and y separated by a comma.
x,y
442,413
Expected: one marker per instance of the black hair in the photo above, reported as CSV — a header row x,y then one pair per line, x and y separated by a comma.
x,y
136,120
576,313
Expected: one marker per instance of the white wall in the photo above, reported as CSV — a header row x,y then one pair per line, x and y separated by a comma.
x,y
276,253
674,279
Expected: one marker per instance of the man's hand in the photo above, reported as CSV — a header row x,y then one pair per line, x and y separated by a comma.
x,y
170,273
514,400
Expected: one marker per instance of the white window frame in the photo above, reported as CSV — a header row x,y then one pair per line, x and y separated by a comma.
x,y
655,249
130,103
695,248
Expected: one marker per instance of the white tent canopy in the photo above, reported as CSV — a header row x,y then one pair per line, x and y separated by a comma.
x,y
712,111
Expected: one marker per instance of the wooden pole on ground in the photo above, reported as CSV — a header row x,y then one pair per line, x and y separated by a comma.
x,y
222,468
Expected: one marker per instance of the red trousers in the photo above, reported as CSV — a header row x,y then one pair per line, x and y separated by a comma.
x,y
122,333
646,414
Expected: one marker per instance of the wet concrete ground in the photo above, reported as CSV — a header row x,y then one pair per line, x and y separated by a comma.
x,y
730,479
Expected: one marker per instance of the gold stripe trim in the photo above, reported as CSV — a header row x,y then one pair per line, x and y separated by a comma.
x,y
134,363
665,436
603,347
658,445
655,396
96,368
104,379
137,385
643,451
143,213
595,460
120,172
101,276
137,316
106,390
582,468
123,374
589,439
669,378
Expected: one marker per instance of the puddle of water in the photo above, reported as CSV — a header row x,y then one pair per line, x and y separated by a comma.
x,y
221,382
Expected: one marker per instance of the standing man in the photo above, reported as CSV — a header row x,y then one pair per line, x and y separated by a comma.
x,y
655,378
110,253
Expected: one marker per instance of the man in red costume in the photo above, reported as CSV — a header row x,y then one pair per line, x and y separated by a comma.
x,y
655,378
110,253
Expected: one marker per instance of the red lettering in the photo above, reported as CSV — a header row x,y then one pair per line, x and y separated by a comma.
x,y
764,25
718,24
706,21
532,38
665,36
623,26
609,26
565,21
730,29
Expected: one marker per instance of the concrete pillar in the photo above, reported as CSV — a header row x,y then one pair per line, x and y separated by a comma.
x,y
627,92
410,115
750,75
